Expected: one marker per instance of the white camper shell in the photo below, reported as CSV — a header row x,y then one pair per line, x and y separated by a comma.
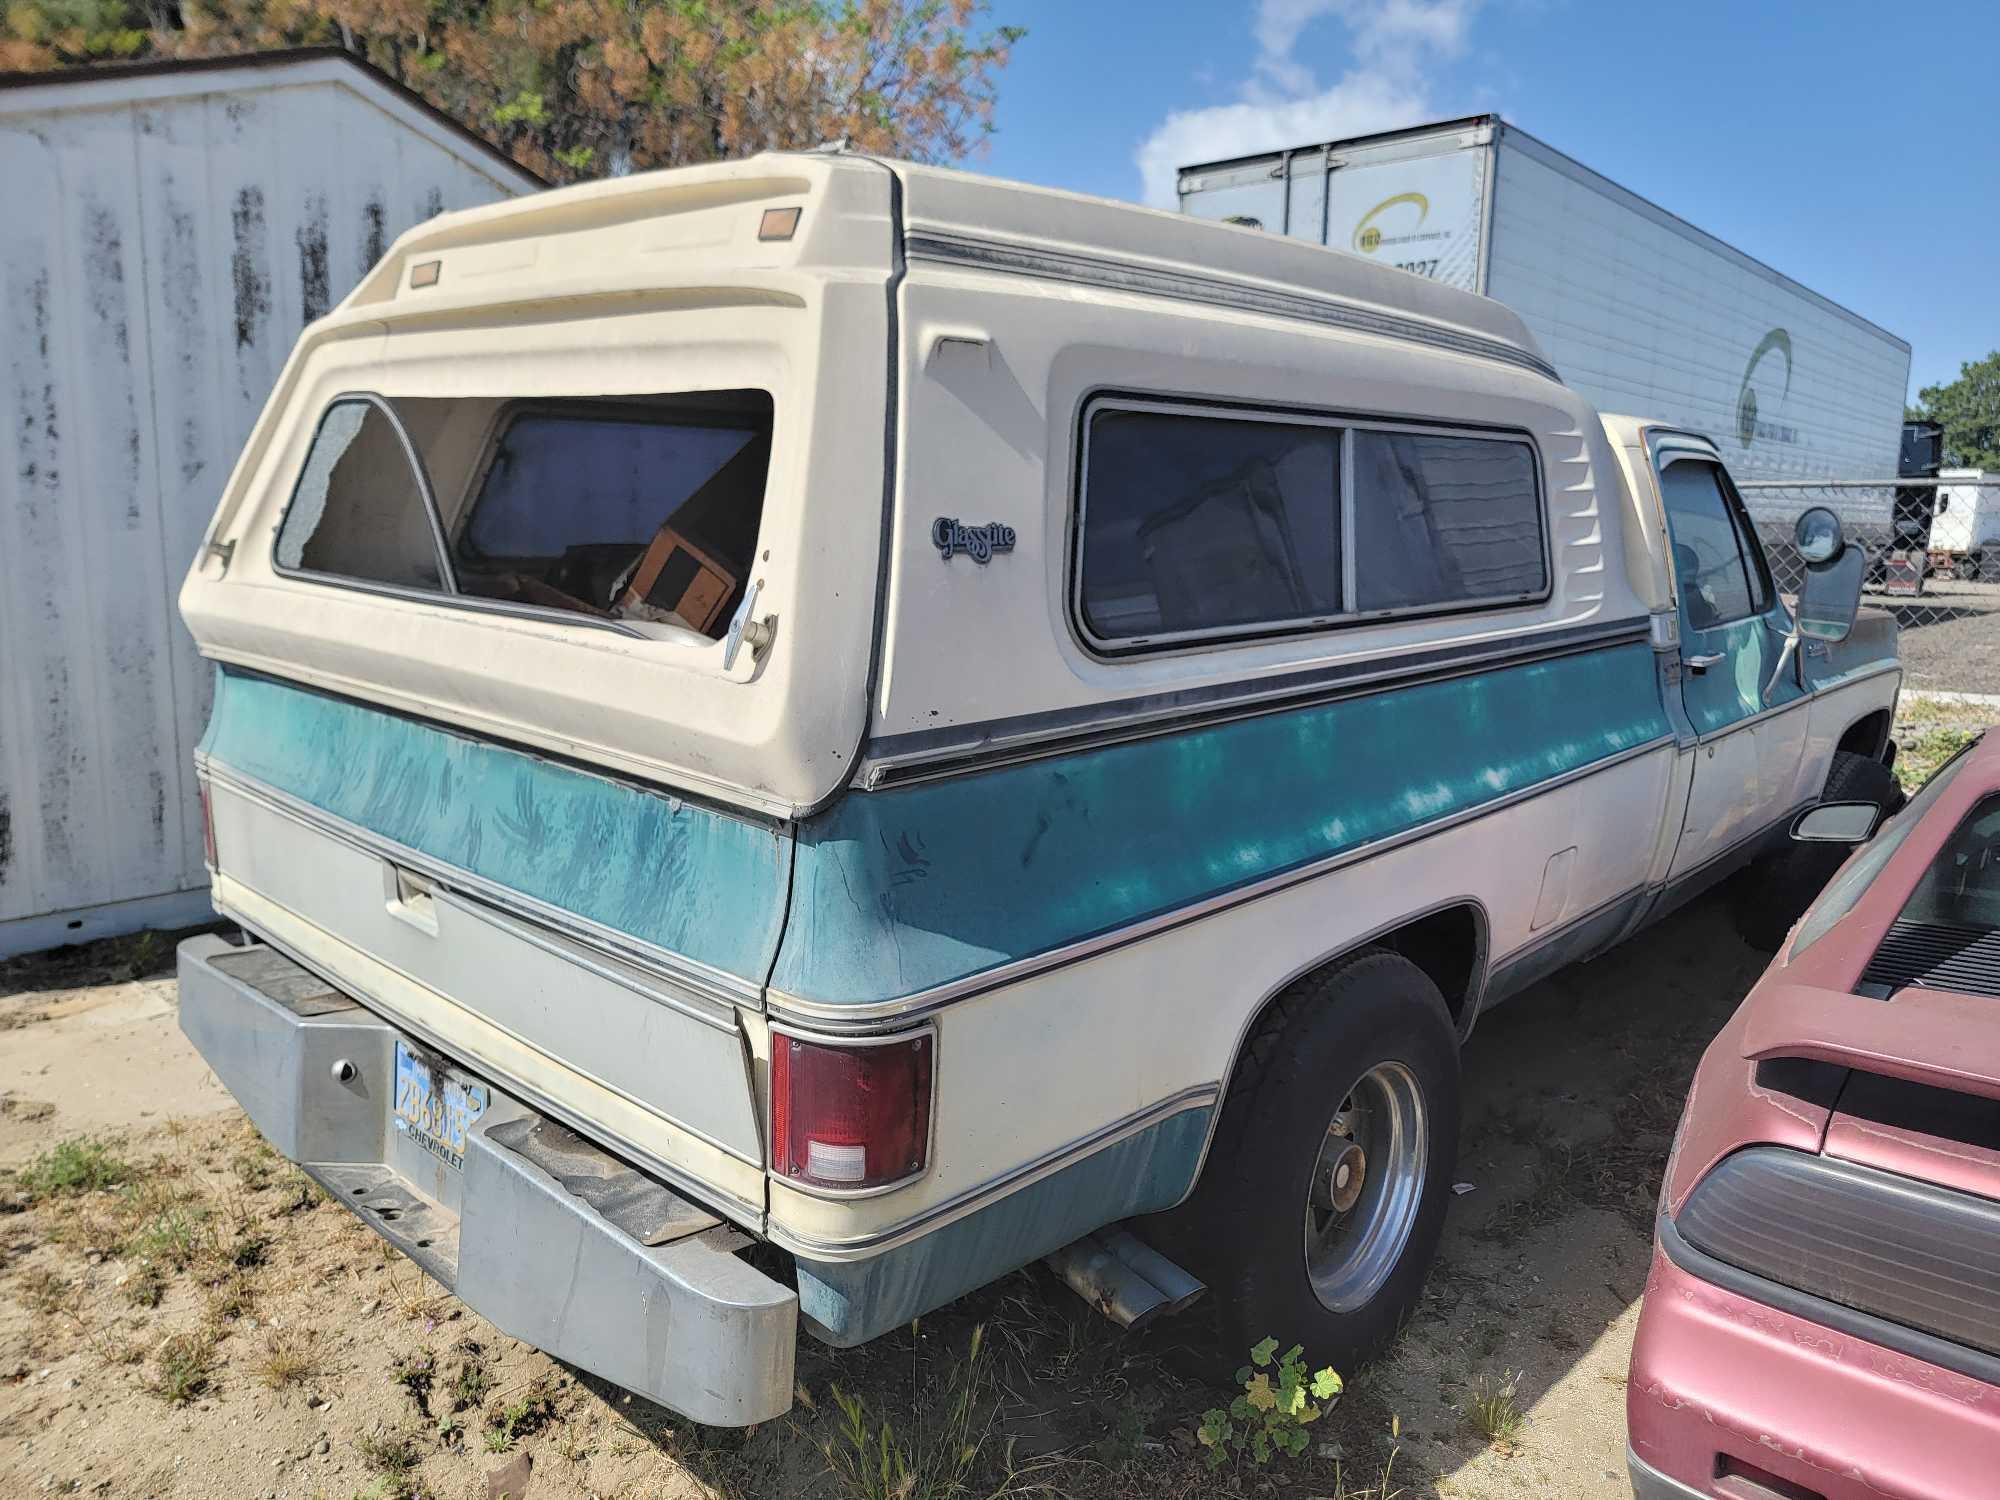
x,y
865,708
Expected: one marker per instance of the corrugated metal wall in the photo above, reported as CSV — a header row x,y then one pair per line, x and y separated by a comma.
x,y
1639,317
158,258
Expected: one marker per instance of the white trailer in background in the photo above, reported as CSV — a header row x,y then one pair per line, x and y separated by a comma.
x,y
168,230
1639,310
1965,527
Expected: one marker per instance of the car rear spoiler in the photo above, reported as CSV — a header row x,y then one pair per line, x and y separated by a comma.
x,y
1933,1037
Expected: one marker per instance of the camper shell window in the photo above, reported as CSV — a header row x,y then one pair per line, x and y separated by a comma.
x,y
624,512
1201,523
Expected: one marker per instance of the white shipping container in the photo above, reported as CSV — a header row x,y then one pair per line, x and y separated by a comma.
x,y
1639,310
169,229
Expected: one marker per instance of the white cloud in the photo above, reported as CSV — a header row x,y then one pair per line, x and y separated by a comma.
x,y
1392,45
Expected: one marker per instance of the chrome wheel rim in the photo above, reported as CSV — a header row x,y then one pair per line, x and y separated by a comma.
x,y
1367,1183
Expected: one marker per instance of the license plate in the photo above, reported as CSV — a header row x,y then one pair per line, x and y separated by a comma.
x,y
435,1111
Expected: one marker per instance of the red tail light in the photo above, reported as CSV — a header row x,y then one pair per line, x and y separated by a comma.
x,y
207,820
850,1116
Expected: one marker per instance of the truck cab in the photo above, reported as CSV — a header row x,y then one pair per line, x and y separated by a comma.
x,y
923,724
1766,709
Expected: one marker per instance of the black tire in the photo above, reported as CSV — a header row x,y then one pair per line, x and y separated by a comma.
x,y
1774,891
1246,1226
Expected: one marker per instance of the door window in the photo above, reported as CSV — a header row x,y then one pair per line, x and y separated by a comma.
x,y
1718,568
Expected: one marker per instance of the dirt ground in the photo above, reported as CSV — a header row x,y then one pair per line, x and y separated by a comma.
x,y
183,1314
316,1341
1948,637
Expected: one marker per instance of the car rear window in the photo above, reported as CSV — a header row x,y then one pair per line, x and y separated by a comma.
x,y
643,510
1847,888
1947,935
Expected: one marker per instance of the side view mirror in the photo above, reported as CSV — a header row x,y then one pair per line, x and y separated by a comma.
x,y
1830,596
1837,823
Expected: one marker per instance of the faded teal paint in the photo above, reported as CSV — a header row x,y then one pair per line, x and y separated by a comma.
x,y
1733,688
682,877
1870,646
850,1302
894,892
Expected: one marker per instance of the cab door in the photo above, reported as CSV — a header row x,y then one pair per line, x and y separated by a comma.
x,y
1750,718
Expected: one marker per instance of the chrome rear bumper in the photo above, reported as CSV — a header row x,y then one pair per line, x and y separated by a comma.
x,y
553,1241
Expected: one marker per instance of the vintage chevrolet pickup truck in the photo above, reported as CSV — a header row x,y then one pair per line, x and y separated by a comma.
x,y
922,725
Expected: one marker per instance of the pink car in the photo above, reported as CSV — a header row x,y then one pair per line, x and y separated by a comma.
x,y
1822,1320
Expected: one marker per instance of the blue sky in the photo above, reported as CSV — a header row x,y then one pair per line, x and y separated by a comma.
x,y
1850,145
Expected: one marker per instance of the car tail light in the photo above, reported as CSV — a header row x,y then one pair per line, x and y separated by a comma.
x,y
207,820
850,1116
1895,1248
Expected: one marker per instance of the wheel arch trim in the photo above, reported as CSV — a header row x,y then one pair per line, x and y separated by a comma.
x,y
1482,967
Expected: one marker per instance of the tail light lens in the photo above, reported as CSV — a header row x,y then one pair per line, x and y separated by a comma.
x,y
207,820
850,1116
1896,1248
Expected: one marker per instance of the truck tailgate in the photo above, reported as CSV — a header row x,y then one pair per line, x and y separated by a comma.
x,y
527,917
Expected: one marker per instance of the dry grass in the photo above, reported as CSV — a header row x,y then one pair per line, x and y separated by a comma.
x,y
1493,1409
183,1367
291,1357
48,1292
1929,731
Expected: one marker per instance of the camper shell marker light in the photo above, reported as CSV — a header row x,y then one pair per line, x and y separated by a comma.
x,y
778,224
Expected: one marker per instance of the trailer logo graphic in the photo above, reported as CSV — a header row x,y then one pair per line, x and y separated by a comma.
x,y
1748,427
1368,239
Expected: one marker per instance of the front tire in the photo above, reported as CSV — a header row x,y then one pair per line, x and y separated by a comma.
x,y
1320,1209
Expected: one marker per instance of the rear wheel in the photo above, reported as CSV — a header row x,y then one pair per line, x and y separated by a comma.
x,y
1775,891
1321,1206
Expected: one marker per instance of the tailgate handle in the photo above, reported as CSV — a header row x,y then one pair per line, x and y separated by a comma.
x,y
411,900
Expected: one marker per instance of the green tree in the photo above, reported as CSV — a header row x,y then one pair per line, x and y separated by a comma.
x,y
1969,408
580,88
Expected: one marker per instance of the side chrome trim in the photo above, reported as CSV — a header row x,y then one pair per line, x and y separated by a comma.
x,y
931,754
739,1210
875,1242
1857,676
1803,701
1112,274
707,995
838,1019
1475,999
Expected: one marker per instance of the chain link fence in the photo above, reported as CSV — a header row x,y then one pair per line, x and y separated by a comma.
x,y
1933,551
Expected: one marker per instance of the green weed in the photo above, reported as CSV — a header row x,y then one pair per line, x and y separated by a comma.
x,y
872,1463
184,1367
1494,1409
508,1424
82,1164
1270,1417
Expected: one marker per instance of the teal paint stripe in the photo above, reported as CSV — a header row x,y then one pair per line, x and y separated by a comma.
x,y
895,892
851,1302
680,876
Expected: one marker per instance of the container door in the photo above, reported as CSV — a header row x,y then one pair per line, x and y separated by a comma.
x,y
1751,718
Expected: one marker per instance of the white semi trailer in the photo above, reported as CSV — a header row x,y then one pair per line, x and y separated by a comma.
x,y
1639,310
